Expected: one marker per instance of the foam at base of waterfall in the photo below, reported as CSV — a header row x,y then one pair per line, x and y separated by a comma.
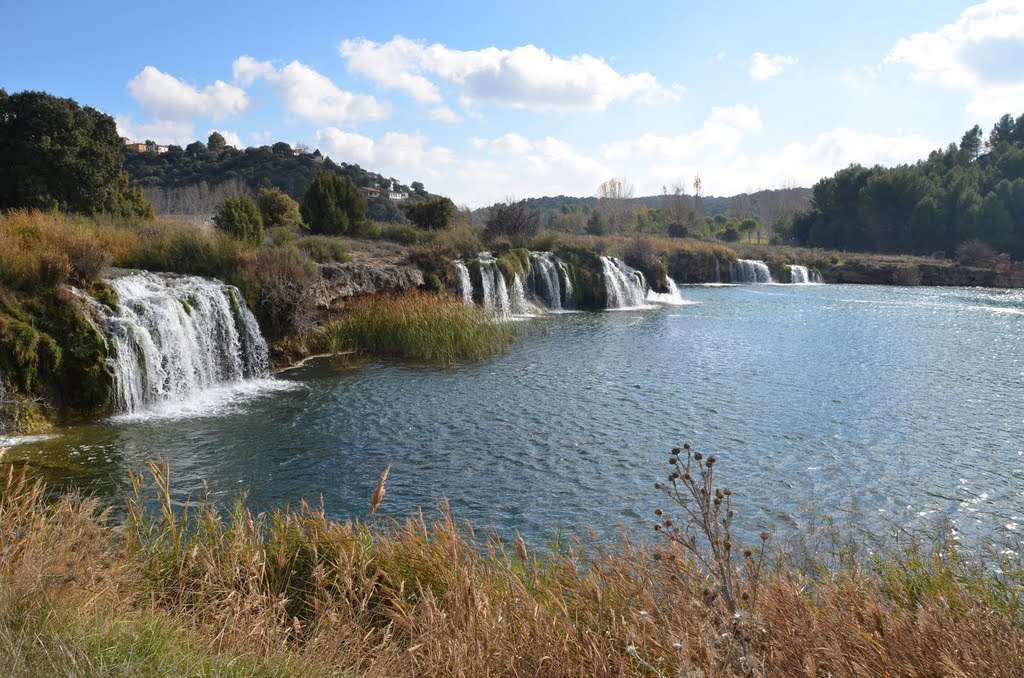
x,y
670,298
215,401
13,441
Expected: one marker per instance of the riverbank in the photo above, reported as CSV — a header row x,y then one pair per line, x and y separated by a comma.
x,y
229,592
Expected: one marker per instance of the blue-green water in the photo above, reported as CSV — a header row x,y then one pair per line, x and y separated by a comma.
x,y
900,405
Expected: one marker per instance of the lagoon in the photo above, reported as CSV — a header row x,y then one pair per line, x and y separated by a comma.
x,y
880,406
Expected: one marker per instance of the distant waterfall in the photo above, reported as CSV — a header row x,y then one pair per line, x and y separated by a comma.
x,y
801,275
625,287
517,299
495,290
544,272
670,298
465,284
798,275
568,284
171,337
749,271
717,272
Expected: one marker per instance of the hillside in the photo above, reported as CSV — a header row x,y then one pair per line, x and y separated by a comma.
x,y
194,180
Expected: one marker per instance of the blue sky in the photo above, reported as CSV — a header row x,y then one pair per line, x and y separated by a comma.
x,y
483,102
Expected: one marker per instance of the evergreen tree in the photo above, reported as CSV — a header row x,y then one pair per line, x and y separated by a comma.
x,y
333,205
240,217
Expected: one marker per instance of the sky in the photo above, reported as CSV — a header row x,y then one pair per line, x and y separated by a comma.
x,y
488,101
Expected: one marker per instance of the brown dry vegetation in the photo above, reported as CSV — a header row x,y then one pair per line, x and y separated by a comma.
x,y
211,592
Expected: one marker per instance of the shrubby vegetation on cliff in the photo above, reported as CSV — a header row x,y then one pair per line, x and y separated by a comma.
x,y
974,191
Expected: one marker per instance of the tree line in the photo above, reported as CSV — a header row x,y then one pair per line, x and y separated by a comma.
x,y
965,193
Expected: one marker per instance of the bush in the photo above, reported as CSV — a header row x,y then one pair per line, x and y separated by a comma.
x,y
513,220
976,253
432,215
402,234
281,236
280,285
240,217
278,209
323,249
333,205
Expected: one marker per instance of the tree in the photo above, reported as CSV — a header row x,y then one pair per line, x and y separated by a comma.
x,y
56,154
748,226
278,209
1001,131
195,148
613,201
970,143
240,217
513,220
432,215
282,148
216,142
417,188
333,205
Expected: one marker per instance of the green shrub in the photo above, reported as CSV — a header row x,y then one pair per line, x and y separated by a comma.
x,y
432,215
240,217
278,209
281,236
333,205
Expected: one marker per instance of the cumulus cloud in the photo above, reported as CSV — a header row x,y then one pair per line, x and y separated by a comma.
x,y
764,66
309,94
525,77
166,97
721,132
176,132
979,53
397,154
445,114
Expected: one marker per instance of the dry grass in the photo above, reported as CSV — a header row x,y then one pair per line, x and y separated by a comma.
x,y
215,592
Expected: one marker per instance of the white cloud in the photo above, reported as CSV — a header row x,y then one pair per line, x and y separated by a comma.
x,y
525,77
981,53
165,97
395,154
445,114
720,133
160,131
310,94
720,56
764,66
230,138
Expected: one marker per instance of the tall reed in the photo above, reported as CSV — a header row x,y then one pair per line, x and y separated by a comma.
x,y
419,326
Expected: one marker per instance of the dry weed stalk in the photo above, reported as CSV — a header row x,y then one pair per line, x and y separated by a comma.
x,y
731,572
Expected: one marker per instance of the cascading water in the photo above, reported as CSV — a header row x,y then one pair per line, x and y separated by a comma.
x,y
517,298
625,287
495,290
465,284
670,298
171,337
798,275
544,273
568,291
749,271
717,273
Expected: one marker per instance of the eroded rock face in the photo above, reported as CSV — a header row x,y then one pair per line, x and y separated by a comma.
x,y
356,278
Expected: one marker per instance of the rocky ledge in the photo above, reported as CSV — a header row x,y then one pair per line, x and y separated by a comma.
x,y
355,278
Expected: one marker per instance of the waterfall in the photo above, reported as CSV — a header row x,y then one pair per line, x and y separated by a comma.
x,y
798,275
171,337
816,278
568,284
465,284
625,287
517,299
495,291
717,271
670,298
545,272
749,271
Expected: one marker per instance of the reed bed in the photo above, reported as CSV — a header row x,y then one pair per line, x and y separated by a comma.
x,y
417,326
208,590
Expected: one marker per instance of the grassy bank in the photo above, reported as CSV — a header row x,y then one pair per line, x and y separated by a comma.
x,y
419,326
235,593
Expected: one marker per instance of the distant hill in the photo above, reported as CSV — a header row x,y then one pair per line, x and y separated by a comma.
x,y
766,205
194,180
